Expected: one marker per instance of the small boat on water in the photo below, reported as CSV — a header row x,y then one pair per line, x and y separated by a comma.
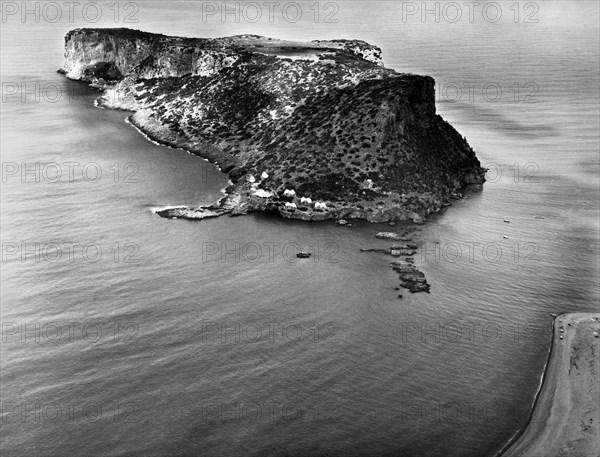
x,y
303,255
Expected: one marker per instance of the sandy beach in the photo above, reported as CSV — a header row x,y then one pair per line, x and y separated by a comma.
x,y
566,416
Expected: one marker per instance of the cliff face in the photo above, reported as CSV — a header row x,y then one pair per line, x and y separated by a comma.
x,y
312,130
147,55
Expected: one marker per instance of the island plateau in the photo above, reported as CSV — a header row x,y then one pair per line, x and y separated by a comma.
x,y
311,130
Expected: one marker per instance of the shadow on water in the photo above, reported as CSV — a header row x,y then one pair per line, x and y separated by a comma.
x,y
495,120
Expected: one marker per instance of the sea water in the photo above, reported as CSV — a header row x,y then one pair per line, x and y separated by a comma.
x,y
127,334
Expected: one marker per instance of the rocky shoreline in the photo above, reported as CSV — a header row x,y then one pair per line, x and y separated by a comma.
x,y
313,131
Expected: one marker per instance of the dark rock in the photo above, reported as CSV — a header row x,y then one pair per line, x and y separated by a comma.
x,y
236,173
404,246
389,236
383,251
191,213
402,252
411,278
102,72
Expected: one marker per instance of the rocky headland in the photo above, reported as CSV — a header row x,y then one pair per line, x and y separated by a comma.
x,y
313,131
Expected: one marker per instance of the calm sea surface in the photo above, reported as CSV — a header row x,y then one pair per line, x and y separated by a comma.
x,y
127,334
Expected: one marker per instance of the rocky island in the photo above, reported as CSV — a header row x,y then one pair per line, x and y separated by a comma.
x,y
313,131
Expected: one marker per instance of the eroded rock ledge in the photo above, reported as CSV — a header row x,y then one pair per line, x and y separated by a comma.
x,y
313,130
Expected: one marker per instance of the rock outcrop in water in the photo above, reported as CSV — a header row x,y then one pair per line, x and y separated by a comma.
x,y
410,277
323,119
